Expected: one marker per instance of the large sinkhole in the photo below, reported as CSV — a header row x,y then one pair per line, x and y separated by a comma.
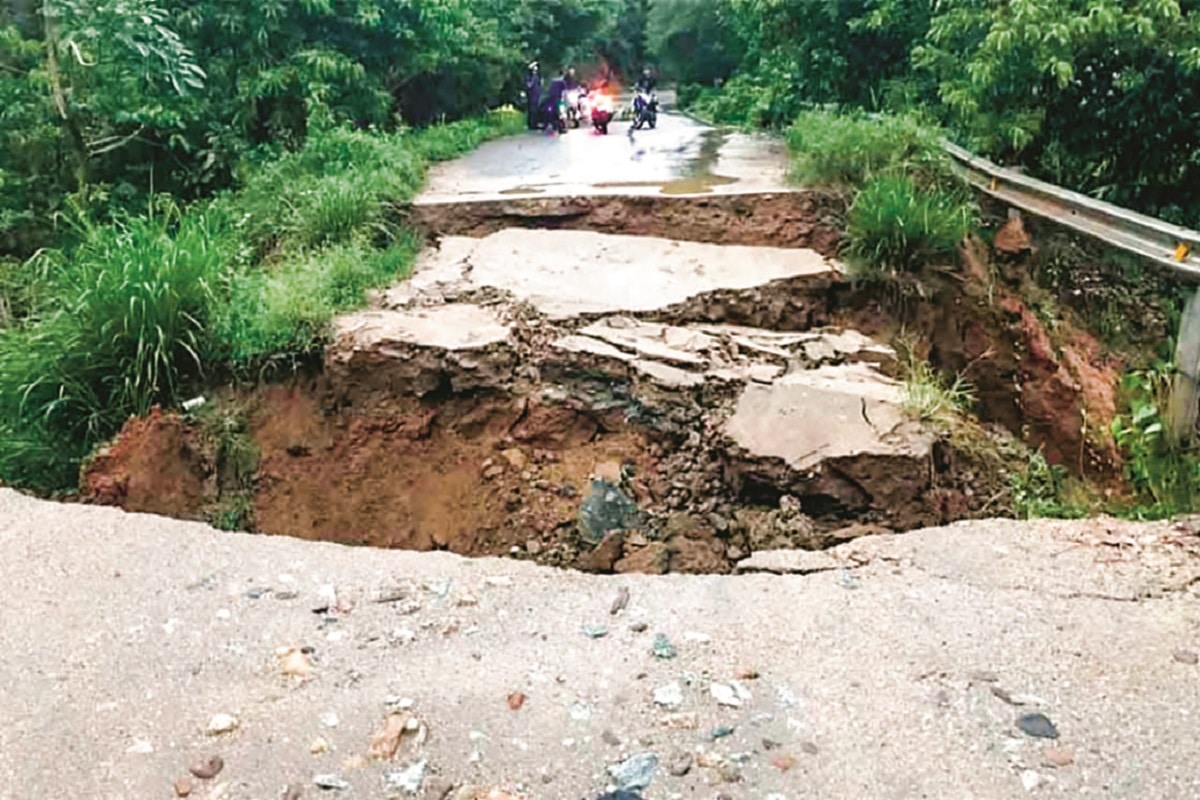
x,y
585,399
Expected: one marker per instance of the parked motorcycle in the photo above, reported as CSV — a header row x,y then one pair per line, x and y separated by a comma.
x,y
601,106
576,100
645,110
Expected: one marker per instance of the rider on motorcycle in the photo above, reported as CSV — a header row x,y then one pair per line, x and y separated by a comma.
x,y
646,82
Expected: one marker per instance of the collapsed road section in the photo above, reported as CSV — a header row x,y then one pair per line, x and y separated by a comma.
x,y
601,401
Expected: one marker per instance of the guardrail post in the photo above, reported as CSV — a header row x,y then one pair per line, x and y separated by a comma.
x,y
1185,393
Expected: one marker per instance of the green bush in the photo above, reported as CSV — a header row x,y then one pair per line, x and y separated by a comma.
x,y
122,327
1166,476
846,150
132,314
897,225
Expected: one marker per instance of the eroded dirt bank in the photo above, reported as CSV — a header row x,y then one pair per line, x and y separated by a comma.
x,y
607,402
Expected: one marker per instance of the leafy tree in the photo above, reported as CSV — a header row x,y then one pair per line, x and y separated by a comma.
x,y
695,39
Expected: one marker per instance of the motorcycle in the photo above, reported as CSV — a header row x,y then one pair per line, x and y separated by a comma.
x,y
601,106
576,100
645,110
554,116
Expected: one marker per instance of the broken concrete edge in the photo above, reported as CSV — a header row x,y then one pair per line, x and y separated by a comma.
x,y
585,196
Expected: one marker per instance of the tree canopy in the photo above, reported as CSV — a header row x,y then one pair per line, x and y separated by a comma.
x,y
102,101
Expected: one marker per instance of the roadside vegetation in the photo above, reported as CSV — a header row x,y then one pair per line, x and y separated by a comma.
x,y
1091,95
190,191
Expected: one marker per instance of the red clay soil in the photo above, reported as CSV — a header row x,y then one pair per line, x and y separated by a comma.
x,y
477,479
155,466
1056,388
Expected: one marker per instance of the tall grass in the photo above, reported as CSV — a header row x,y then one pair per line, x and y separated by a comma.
x,y
896,225
847,150
908,206
135,312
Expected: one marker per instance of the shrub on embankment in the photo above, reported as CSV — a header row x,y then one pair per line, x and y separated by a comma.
x,y
907,211
906,205
137,311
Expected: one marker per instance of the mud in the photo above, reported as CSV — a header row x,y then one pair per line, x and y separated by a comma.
x,y
808,219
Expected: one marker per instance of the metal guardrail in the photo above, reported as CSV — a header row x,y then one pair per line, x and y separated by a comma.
x,y
1172,246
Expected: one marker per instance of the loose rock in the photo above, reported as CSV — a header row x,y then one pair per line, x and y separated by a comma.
x,y
1058,757
669,696
595,631
783,763
635,772
293,791
221,723
620,601
1190,657
331,782
1037,725
183,786
407,780
610,739
680,765
396,728
207,768
662,647
721,731
516,700
725,695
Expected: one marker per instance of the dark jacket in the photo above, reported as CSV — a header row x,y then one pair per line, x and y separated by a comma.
x,y
533,86
646,83
558,87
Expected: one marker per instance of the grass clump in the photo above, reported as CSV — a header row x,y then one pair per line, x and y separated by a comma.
x,y
929,397
846,150
896,225
284,314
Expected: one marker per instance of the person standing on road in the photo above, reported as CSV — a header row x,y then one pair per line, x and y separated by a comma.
x,y
533,96
558,87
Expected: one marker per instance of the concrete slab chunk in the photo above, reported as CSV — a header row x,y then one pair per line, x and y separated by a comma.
x,y
447,327
831,412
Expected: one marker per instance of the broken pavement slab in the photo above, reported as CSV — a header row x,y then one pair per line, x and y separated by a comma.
x,y
415,350
810,416
569,274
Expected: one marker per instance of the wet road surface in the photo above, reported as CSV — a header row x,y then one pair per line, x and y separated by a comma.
x,y
679,157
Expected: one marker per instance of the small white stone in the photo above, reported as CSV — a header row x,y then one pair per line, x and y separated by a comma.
x,y
221,723
224,613
669,696
725,695
698,638
140,747
1030,780
330,720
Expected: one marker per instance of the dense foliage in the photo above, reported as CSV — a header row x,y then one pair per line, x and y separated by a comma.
x,y
1099,95
193,188
104,101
